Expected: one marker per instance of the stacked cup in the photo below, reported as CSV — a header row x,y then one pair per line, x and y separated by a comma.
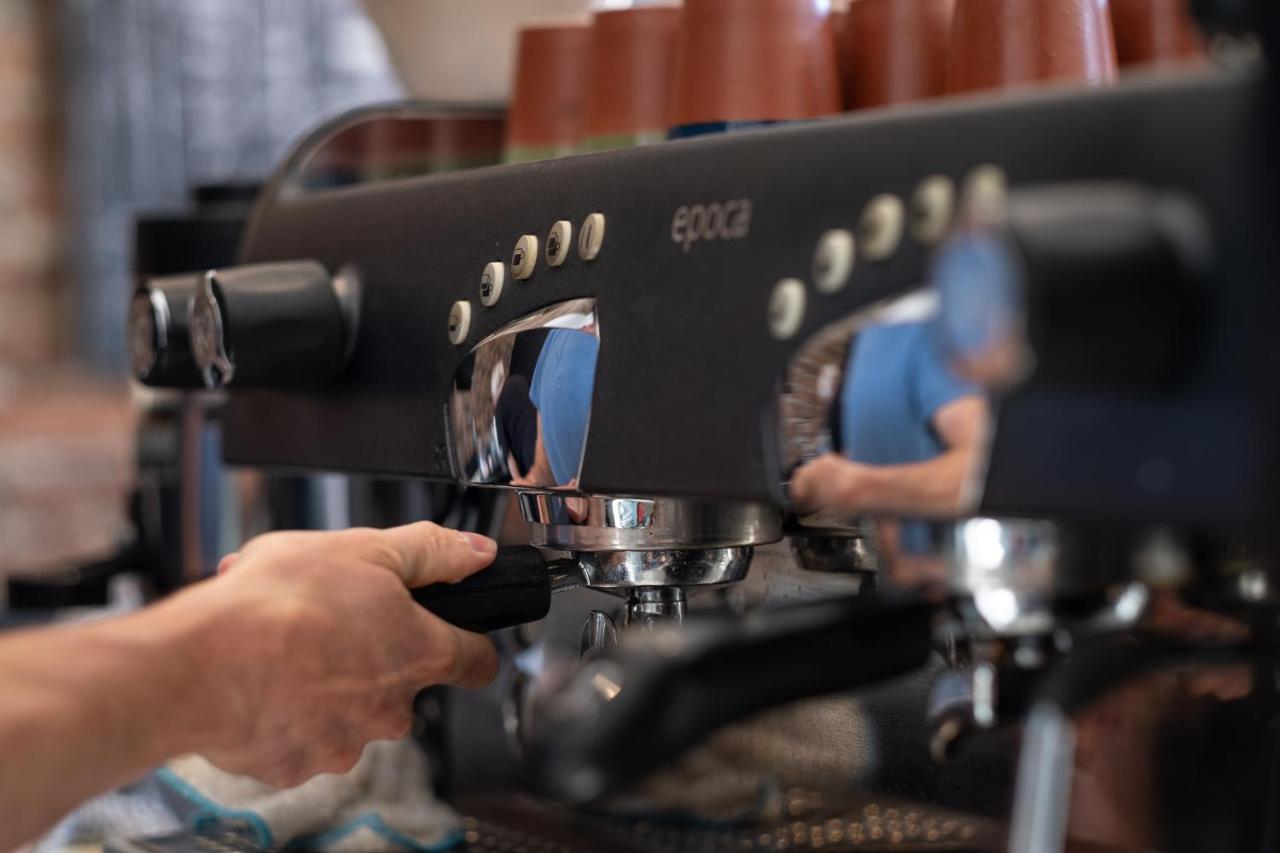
x,y
545,119
997,44
1155,32
750,63
632,56
897,51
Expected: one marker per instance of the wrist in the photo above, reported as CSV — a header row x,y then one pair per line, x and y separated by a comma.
x,y
205,680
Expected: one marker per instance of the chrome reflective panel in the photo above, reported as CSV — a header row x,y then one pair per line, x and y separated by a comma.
x,y
876,423
521,403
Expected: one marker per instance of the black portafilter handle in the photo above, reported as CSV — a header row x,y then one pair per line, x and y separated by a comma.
x,y
159,339
277,325
627,712
515,590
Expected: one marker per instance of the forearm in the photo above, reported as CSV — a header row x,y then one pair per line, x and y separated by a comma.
x,y
88,707
934,488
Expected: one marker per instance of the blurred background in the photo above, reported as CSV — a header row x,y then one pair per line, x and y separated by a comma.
x,y
111,109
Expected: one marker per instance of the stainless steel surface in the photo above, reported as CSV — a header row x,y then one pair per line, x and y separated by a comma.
x,y
1007,569
208,339
848,553
649,607
599,523
598,634
1007,575
1042,801
622,571
148,331
499,434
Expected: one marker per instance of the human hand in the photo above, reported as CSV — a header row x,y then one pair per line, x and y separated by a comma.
x,y
832,482
318,648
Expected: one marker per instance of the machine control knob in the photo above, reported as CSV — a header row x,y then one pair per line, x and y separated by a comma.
x,y
1075,284
278,325
159,343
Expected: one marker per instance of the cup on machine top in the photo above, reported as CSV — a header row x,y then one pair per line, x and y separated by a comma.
x,y
1155,32
753,63
997,44
896,50
632,55
550,90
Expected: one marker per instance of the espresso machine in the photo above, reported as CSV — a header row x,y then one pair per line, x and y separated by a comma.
x,y
647,349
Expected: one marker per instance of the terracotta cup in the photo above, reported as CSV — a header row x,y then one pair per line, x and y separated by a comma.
x,y
897,51
753,61
1155,32
628,92
1003,43
546,113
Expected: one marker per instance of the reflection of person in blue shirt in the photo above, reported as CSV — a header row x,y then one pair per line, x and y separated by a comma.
x,y
910,429
561,390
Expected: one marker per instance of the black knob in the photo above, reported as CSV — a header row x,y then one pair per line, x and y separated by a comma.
x,y
280,325
159,344
1077,285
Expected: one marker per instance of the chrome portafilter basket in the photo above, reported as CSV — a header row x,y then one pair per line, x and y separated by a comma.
x,y
651,551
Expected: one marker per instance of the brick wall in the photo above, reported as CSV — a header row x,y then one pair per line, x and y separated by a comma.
x,y
65,438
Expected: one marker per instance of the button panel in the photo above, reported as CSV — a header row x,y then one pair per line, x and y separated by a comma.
x,y
525,257
491,281
558,242
591,237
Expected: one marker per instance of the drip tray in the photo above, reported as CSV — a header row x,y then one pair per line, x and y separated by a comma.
x,y
524,825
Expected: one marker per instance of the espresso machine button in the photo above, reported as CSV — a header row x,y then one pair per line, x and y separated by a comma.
x,y
933,209
880,228
279,325
786,308
591,238
525,257
491,281
833,261
159,341
459,322
558,242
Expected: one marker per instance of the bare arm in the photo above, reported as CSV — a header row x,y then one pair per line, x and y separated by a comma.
x,y
933,488
284,667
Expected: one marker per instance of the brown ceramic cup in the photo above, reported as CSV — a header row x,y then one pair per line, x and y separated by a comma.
x,y
755,61
999,44
548,98
897,51
1155,32
631,59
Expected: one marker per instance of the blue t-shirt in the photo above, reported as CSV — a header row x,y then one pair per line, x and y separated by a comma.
x,y
895,382
562,386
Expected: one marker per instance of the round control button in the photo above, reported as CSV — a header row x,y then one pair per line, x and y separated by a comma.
x,y
932,209
786,308
591,238
985,196
833,261
525,257
491,281
880,229
459,321
558,242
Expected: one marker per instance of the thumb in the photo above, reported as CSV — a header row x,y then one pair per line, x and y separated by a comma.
x,y
425,553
